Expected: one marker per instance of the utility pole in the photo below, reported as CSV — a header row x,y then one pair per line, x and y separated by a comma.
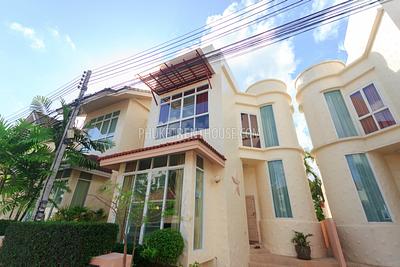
x,y
45,193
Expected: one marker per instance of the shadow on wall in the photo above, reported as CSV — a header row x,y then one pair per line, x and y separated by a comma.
x,y
392,8
388,72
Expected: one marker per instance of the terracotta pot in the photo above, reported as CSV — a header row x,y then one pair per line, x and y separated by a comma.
x,y
303,253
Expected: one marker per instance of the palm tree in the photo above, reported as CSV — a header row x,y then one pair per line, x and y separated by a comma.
x,y
76,153
315,186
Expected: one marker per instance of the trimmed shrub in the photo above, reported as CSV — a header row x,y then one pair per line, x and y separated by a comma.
x,y
79,214
3,226
168,245
56,243
139,259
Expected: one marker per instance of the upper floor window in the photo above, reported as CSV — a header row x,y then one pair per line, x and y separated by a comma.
x,y
269,126
103,127
367,187
184,112
340,114
372,112
250,134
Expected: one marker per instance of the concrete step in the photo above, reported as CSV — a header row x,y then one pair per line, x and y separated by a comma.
x,y
269,259
257,264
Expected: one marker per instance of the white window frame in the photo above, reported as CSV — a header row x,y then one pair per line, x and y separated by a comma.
x,y
370,111
250,132
182,98
194,203
107,135
150,172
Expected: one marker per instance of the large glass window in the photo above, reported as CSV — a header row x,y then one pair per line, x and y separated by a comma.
x,y
368,190
157,194
198,209
250,134
372,112
183,113
103,127
340,115
81,190
279,189
269,126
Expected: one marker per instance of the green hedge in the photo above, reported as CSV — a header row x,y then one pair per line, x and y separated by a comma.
x,y
56,243
3,226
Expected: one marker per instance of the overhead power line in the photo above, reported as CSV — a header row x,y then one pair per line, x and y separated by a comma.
x,y
268,37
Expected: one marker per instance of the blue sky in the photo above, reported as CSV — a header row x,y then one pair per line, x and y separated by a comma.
x,y
44,44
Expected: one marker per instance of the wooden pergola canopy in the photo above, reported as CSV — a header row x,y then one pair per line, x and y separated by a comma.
x,y
182,71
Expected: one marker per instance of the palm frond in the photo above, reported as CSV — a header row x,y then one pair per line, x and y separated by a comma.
x,y
41,104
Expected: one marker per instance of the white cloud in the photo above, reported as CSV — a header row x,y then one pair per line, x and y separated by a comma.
x,y
273,61
66,38
28,33
70,42
54,32
277,61
327,31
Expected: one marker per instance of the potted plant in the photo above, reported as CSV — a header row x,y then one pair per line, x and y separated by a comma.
x,y
301,245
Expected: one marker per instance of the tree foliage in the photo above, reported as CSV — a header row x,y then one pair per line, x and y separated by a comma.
x,y
27,150
25,159
315,186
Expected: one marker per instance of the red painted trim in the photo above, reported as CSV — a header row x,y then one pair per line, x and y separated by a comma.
x,y
190,139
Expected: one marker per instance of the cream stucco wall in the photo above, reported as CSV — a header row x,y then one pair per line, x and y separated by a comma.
x,y
276,233
366,242
132,120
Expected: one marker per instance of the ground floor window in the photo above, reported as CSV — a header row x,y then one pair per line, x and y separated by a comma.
x,y
198,209
279,189
368,190
81,190
157,195
57,194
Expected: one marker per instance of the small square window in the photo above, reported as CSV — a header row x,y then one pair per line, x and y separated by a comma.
x,y
202,122
203,87
187,126
176,96
384,118
161,132
369,125
164,113
202,103
165,99
160,162
190,92
144,164
173,129
130,166
188,106
176,159
175,112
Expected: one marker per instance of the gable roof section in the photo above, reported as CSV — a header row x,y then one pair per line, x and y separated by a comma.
x,y
110,96
196,143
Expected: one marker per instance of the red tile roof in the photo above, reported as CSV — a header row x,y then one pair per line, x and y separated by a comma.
x,y
192,138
